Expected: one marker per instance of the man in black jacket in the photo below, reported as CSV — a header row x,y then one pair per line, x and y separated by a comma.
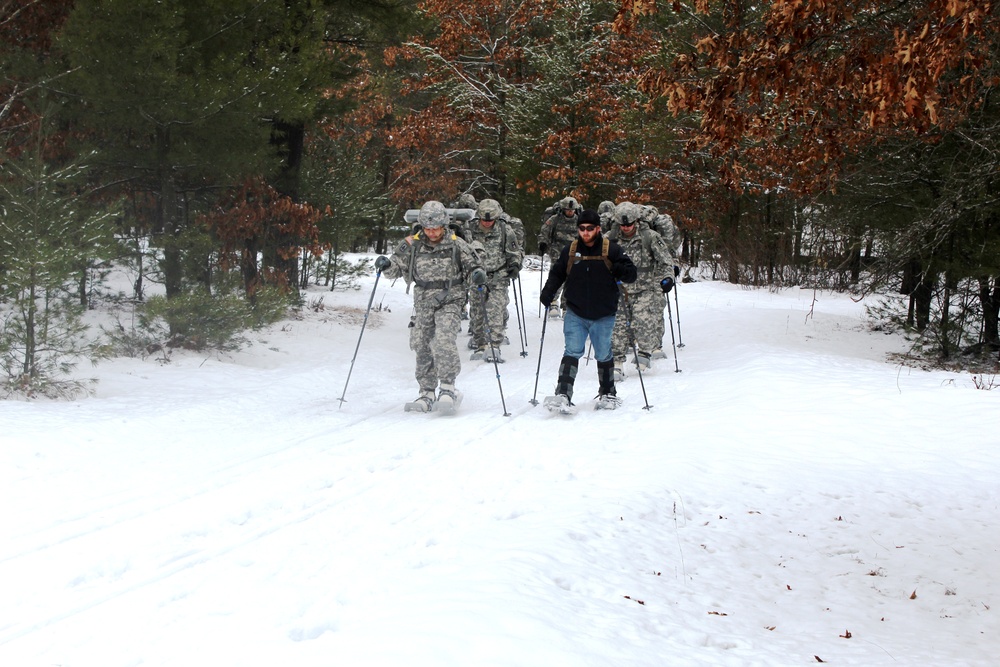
x,y
591,268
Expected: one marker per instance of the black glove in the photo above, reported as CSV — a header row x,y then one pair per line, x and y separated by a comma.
x,y
667,284
478,277
545,299
542,247
382,263
677,270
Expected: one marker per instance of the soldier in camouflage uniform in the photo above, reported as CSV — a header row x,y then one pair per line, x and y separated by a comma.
x,y
558,232
606,210
496,244
663,225
646,297
439,265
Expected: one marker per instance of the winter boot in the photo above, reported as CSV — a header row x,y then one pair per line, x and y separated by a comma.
x,y
480,353
567,376
554,312
493,354
658,354
448,399
607,398
423,403
619,372
643,361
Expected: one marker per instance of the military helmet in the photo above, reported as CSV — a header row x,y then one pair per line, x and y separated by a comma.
x,y
626,212
489,209
649,213
606,207
569,204
465,200
433,214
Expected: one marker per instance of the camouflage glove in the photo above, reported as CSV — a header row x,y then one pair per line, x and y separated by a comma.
x,y
382,263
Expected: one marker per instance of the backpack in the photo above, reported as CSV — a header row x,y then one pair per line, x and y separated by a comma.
x,y
647,243
574,258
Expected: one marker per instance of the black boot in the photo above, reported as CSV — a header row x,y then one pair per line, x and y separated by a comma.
x,y
606,377
607,397
567,376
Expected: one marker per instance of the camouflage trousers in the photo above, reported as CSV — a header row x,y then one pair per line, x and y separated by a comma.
x,y
497,300
433,338
647,323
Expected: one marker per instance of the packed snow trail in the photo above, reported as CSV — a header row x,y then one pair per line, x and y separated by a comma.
x,y
790,495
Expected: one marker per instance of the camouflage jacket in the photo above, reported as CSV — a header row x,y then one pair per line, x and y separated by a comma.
x,y
650,254
558,231
438,273
498,248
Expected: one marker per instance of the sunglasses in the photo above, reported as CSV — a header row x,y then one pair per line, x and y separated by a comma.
x,y
628,223
587,228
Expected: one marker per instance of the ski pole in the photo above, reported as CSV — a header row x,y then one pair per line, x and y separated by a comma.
x,y
541,274
524,317
517,312
378,274
538,370
670,318
631,336
493,350
680,338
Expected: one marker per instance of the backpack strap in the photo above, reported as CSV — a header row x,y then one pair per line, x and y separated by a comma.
x,y
573,259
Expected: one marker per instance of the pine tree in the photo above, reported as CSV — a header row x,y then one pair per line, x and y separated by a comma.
x,y
48,230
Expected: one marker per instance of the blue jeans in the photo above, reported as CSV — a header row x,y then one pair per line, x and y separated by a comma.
x,y
575,332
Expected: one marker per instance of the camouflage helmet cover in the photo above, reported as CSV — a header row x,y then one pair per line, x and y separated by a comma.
x,y
569,204
489,209
465,200
606,207
626,211
649,213
433,214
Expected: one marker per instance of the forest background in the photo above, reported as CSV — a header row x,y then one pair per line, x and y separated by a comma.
x,y
230,151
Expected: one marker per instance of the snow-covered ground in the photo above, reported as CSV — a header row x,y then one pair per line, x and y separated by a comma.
x,y
791,497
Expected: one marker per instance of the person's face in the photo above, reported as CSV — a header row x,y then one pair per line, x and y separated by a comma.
x,y
434,234
628,229
487,224
588,232
569,212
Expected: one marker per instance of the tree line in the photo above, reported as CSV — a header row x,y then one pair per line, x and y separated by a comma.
x,y
234,149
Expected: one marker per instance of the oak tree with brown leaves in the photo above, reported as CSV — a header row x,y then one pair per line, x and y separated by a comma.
x,y
838,100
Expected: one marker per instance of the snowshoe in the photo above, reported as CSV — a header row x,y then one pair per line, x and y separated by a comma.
x,y
559,403
448,401
423,403
478,354
493,355
555,313
658,354
607,402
